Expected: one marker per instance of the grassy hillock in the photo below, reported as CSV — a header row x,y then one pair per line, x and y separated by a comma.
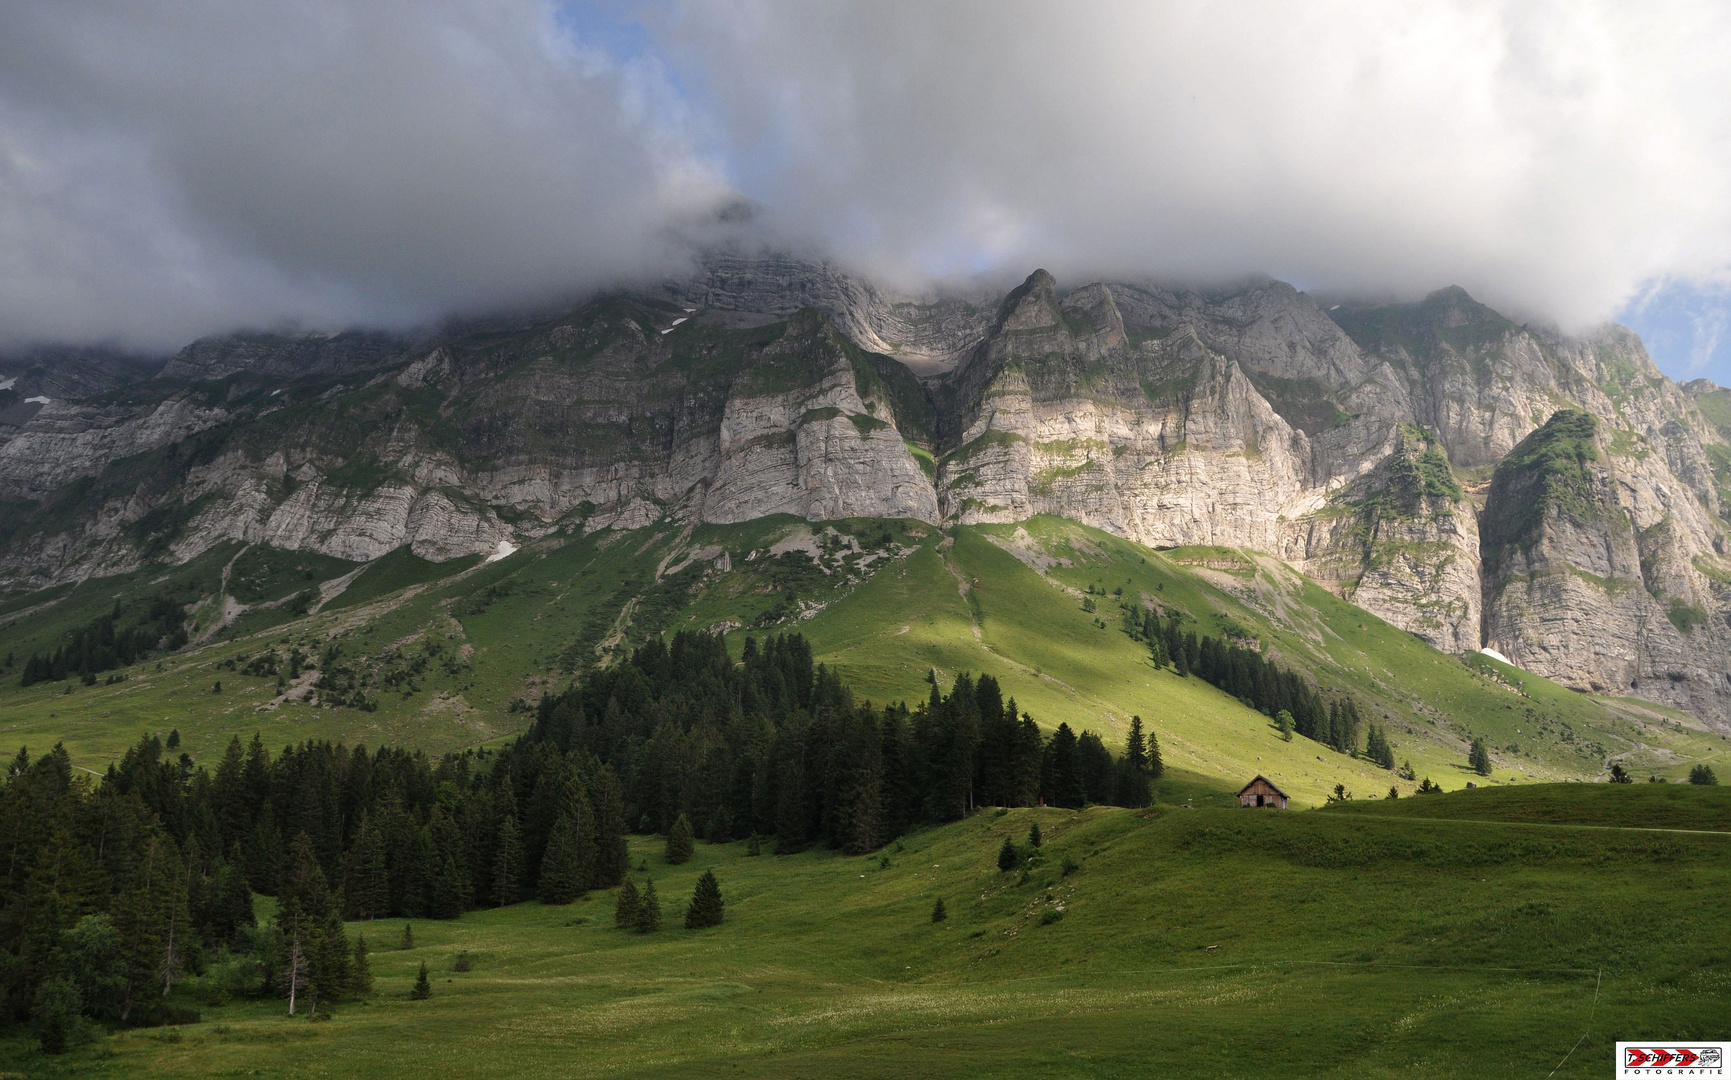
x,y
1623,806
1337,943
446,655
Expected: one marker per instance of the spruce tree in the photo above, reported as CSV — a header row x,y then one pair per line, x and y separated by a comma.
x,y
1377,747
1007,859
361,971
1136,747
1065,787
310,925
1156,767
720,827
231,899
706,905
679,840
938,912
1478,758
452,888
367,885
423,988
1702,774
610,852
1034,837
625,905
508,864
264,853
562,878
408,936
648,909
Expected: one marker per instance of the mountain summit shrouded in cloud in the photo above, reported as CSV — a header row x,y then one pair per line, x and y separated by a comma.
x,y
165,173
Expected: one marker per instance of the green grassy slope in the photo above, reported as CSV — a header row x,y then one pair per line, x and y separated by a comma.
x,y
1305,944
451,654
1631,806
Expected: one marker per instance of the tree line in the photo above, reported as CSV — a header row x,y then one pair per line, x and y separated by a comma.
x,y
777,747
1262,684
103,644
112,888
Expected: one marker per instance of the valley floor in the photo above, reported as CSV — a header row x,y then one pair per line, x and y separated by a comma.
x,y
1205,942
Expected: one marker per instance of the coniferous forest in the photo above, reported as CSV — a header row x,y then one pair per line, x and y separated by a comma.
x,y
1261,684
113,888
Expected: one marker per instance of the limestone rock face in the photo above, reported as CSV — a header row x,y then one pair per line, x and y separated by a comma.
x,y
1067,425
66,440
598,420
1588,581
1402,542
1358,443
818,449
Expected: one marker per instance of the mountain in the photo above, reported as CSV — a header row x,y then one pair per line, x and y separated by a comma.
x,y
1475,482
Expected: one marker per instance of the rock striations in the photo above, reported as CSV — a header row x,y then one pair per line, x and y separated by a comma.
x,y
1475,481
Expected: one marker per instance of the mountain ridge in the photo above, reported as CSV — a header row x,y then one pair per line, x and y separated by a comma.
x,y
1358,445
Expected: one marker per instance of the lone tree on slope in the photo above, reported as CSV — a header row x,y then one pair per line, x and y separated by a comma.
x,y
1479,758
706,904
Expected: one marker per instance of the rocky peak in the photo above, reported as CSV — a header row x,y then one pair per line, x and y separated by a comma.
x,y
287,356
1091,312
1032,305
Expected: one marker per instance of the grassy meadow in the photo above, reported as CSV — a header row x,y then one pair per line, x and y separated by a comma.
x,y
1354,941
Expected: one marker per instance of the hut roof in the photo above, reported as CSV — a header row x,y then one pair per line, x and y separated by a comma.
x,y
1267,781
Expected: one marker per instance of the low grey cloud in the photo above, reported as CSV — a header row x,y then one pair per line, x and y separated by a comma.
x,y
173,169
169,169
1550,157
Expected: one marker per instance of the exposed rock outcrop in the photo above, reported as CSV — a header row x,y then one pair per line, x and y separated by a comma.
x,y
1589,581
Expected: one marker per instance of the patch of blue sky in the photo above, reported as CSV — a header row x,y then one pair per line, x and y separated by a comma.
x,y
1686,327
618,35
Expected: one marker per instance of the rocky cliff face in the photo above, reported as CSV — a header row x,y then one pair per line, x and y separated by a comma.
x,y
1361,444
1402,542
1589,580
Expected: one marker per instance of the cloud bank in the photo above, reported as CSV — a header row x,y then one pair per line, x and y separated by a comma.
x,y
212,164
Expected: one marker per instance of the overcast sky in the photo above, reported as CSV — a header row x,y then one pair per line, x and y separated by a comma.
x,y
169,170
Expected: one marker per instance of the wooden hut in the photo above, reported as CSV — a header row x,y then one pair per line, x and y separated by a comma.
x,y
1261,792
